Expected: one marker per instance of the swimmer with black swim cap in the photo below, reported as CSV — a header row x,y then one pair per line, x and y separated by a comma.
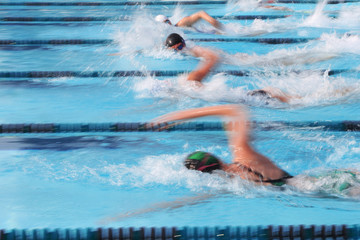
x,y
176,42
209,58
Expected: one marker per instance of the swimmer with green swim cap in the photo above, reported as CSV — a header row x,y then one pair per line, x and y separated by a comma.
x,y
202,161
249,164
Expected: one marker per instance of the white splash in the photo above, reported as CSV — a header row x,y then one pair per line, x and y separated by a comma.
x,y
340,182
308,88
347,18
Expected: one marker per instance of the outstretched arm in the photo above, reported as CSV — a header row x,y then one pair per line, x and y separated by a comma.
x,y
157,207
237,127
210,59
192,19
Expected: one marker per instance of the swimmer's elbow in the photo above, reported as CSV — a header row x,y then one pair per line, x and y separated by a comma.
x,y
215,58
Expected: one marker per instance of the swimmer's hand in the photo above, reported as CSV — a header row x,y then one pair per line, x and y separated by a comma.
x,y
115,54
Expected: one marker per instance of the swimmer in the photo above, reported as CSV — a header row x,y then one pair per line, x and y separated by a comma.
x,y
247,163
264,4
210,58
269,93
189,21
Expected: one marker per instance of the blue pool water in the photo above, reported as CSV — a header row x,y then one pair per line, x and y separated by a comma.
x,y
137,179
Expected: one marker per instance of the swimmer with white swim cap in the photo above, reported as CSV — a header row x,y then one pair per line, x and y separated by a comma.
x,y
189,21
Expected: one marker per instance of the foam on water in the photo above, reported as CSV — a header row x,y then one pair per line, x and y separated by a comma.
x,y
234,6
145,35
340,183
258,27
340,44
310,88
328,46
314,88
348,18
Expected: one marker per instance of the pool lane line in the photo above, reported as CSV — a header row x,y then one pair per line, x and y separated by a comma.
x,y
124,18
135,73
340,126
264,232
156,3
117,3
109,41
268,232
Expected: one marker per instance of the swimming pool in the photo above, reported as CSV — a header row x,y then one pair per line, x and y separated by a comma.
x,y
135,178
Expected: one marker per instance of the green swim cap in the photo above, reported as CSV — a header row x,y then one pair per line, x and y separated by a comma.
x,y
202,161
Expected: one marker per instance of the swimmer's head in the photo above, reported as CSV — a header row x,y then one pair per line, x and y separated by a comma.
x,y
175,41
202,161
162,19
259,93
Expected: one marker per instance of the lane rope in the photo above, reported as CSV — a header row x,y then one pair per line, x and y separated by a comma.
x,y
123,18
135,73
190,233
156,3
109,41
169,127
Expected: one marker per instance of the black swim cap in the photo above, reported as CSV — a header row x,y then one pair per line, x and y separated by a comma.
x,y
202,161
260,93
174,39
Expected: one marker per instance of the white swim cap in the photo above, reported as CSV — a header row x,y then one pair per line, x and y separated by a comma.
x,y
161,18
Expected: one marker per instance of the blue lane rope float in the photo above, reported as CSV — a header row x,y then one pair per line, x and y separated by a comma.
x,y
117,3
152,3
123,18
156,73
189,233
170,127
109,41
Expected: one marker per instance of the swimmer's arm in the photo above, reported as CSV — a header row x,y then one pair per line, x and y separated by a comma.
x,y
221,111
210,60
278,8
115,54
178,203
237,127
192,19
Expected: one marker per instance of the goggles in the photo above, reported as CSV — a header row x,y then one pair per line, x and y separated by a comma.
x,y
179,46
